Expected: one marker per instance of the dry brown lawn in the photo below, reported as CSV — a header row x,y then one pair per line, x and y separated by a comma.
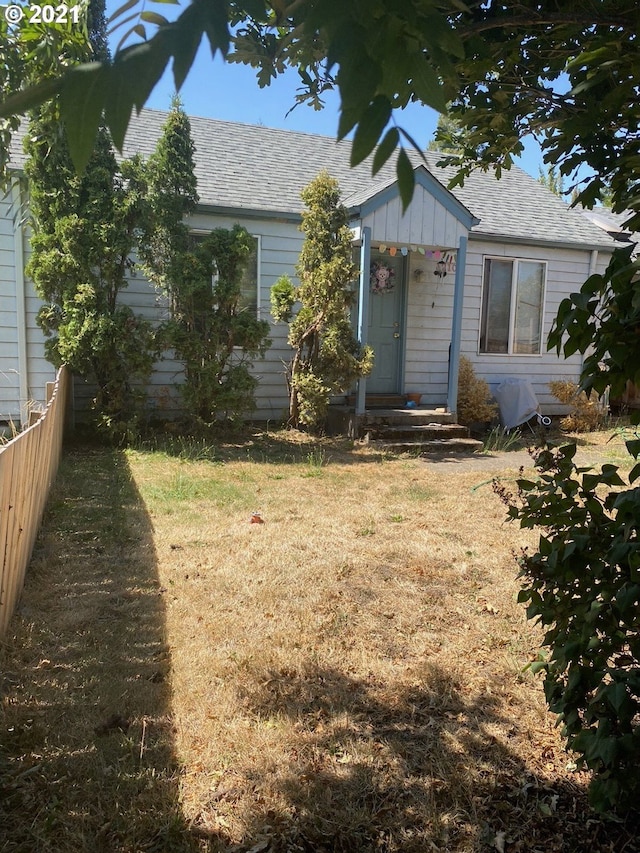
x,y
346,676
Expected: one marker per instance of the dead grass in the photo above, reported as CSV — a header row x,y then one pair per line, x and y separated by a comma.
x,y
346,676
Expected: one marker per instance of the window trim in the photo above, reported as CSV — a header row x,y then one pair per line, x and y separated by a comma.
x,y
516,261
203,232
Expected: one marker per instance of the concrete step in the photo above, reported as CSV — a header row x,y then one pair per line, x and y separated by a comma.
x,y
396,417
380,401
436,445
428,431
343,419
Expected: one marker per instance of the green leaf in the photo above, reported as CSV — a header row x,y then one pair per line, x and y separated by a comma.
x,y
29,98
133,75
370,126
154,18
81,103
633,446
122,9
406,178
385,149
348,120
186,36
428,88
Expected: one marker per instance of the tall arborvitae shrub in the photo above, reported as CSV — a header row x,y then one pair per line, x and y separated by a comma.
x,y
84,231
208,329
327,358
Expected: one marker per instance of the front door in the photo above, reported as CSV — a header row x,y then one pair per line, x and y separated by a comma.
x,y
386,316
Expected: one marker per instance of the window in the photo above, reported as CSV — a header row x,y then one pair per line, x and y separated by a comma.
x,y
512,306
250,284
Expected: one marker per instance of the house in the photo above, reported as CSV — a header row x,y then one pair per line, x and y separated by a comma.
x,y
478,270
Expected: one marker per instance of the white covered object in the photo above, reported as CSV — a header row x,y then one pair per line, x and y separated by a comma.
x,y
517,401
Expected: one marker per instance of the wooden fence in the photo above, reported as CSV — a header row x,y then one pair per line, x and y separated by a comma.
x,y
28,465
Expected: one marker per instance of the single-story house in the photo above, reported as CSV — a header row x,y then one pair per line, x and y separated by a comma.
x,y
477,270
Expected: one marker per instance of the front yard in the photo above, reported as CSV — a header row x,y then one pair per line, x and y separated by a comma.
x,y
345,676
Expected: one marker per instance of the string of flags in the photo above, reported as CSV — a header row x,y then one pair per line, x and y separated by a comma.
x,y
446,260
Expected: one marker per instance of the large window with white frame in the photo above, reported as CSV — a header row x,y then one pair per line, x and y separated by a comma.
x,y
512,306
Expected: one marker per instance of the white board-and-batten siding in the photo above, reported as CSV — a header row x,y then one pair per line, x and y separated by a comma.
x,y
426,222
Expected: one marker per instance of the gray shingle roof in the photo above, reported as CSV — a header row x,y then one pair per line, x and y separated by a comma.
x,y
254,168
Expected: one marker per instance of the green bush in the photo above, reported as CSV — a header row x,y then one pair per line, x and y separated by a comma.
x,y
583,586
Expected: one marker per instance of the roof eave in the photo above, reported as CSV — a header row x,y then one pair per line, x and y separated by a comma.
x,y
541,241
249,212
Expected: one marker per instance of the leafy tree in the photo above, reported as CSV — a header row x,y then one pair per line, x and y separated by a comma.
x,y
567,74
209,329
36,53
553,181
213,334
448,137
84,231
327,358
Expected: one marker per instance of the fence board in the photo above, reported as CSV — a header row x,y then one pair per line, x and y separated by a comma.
x,y
28,465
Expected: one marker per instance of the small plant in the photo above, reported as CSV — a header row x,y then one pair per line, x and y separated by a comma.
x,y
474,396
587,413
501,440
316,458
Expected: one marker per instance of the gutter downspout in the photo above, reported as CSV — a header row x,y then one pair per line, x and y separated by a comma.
x,y
363,312
21,308
456,328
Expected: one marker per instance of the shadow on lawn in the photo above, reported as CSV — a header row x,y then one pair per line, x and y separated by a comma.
x,y
87,760
421,771
251,444
86,755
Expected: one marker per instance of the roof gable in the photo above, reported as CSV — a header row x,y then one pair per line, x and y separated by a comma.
x,y
375,196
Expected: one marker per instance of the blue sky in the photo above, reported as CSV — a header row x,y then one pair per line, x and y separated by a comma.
x,y
215,89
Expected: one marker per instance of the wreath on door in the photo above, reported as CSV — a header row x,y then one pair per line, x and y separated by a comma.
x,y
381,277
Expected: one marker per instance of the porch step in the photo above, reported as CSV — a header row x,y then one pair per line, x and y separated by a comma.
x,y
404,430
380,401
436,445
401,416
421,432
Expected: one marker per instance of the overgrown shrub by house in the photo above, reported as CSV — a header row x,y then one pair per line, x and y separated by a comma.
x,y
474,396
210,330
587,413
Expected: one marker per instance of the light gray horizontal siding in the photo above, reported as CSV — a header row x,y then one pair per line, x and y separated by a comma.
x,y
9,364
427,327
567,270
